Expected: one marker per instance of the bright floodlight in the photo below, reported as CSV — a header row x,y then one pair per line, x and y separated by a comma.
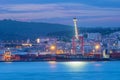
x,y
38,40
75,25
53,47
97,46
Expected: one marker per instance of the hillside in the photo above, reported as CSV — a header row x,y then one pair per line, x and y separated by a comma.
x,y
16,30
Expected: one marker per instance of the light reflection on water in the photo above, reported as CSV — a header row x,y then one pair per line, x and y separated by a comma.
x,y
71,66
60,70
52,64
75,66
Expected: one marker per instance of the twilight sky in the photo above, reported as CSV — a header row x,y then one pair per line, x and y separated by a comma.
x,y
89,12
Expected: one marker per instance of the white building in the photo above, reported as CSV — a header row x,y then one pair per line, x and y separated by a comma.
x,y
94,36
119,44
88,48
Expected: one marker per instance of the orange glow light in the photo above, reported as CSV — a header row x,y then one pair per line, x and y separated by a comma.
x,y
53,47
97,47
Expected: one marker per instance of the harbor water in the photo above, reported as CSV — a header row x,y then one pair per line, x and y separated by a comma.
x,y
60,70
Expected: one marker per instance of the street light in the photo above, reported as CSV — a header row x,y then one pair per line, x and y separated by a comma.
x,y
52,47
38,40
97,46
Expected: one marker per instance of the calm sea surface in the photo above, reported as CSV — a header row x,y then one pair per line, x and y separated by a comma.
x,y
60,71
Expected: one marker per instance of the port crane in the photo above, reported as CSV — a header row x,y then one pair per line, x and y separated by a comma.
x,y
77,39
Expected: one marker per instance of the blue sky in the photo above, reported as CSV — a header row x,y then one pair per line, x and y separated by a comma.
x,y
89,12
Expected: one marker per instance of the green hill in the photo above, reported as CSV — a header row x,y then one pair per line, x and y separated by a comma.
x,y
16,30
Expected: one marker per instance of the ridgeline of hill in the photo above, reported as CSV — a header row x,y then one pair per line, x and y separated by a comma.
x,y
16,30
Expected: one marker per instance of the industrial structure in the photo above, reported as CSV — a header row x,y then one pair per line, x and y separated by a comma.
x,y
77,40
7,55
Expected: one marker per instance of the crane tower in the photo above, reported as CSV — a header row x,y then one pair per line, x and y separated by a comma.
x,y
76,29
77,40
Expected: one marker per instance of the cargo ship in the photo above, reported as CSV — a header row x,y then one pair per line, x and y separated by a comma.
x,y
55,57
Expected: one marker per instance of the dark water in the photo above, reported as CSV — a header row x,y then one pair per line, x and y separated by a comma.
x,y
60,71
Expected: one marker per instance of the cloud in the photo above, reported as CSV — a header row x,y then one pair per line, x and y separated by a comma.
x,y
33,12
29,7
